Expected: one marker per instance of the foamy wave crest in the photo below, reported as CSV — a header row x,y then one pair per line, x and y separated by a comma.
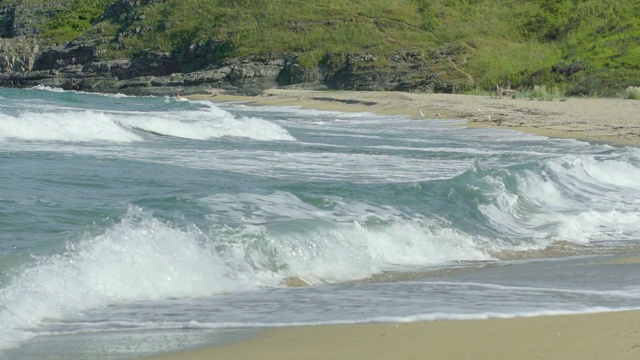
x,y
574,198
336,241
209,123
71,126
140,258
318,252
60,90
357,251
49,88
598,174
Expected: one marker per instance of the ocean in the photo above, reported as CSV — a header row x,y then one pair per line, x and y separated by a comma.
x,y
132,226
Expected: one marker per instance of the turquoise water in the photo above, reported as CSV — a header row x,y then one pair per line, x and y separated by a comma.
x,y
131,226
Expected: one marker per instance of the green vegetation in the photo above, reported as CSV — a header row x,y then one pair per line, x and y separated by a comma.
x,y
541,92
632,92
71,22
309,29
586,47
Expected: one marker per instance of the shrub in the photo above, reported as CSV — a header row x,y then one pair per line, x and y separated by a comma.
x,y
69,23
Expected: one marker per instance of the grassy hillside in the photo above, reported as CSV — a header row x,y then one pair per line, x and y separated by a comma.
x,y
584,46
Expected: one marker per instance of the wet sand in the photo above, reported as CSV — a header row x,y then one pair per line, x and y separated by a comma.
x,y
614,121
611,335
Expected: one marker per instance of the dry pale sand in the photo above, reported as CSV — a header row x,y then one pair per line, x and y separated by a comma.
x,y
613,335
608,336
614,121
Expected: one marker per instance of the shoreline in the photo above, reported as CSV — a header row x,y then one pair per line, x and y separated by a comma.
x,y
603,335
598,120
607,335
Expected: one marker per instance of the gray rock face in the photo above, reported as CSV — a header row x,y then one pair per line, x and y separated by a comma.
x,y
17,55
25,21
200,67
63,56
75,66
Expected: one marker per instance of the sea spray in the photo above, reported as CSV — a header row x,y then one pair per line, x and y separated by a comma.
x,y
144,258
204,123
567,199
70,126
39,121
140,258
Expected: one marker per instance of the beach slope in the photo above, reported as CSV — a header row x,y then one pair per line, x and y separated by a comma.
x,y
614,121
613,335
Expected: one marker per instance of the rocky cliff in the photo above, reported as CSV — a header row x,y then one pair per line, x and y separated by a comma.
x,y
198,68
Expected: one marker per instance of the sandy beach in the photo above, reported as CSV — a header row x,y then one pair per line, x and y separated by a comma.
x,y
614,121
611,335
591,336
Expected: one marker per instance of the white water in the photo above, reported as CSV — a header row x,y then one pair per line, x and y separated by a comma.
x,y
91,125
577,199
353,204
209,123
76,126
142,258
137,259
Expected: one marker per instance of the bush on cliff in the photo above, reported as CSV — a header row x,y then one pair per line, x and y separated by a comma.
x,y
73,21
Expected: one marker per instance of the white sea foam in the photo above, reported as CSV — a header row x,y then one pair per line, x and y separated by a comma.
x,y
143,258
71,126
350,252
436,316
338,241
579,198
203,124
49,88
249,241
359,168
490,315
60,90
140,258
398,320
211,122
542,192
601,172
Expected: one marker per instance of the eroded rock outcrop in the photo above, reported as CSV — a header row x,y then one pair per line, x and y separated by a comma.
x,y
17,55
200,67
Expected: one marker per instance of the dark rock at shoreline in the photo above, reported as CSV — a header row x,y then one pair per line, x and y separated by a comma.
x,y
75,66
